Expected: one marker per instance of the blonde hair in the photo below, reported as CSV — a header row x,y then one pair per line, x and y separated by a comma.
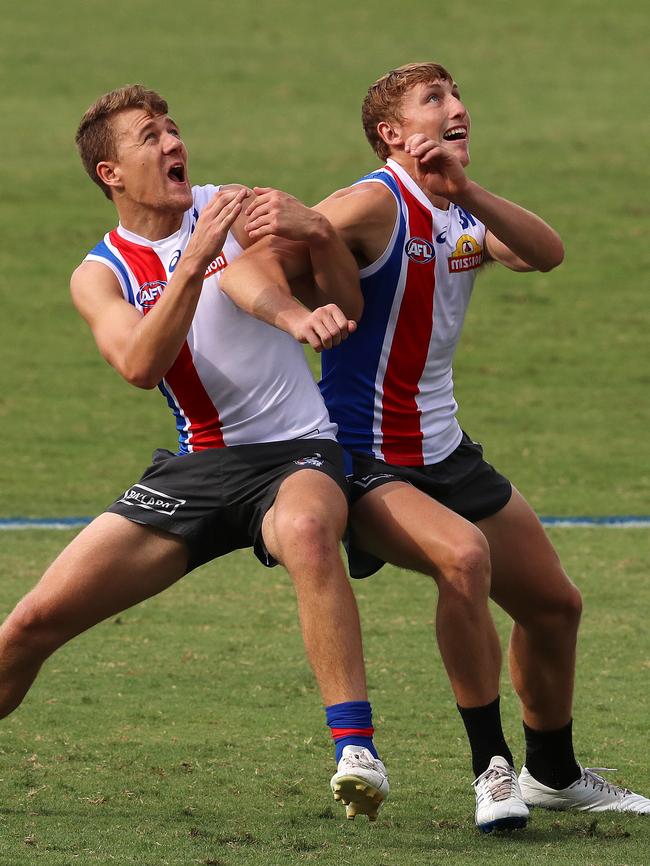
x,y
95,138
384,97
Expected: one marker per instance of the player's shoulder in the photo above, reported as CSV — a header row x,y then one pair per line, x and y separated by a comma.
x,y
204,193
93,275
365,199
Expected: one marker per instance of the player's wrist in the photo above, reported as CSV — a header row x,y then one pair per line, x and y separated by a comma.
x,y
291,318
467,195
192,265
321,231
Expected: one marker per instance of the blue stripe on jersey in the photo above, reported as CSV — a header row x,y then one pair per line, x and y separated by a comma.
x,y
103,252
183,437
350,369
379,174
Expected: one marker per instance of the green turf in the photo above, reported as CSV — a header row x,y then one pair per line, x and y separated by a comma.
x,y
189,730
553,369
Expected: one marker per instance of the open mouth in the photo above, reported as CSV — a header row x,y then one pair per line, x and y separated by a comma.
x,y
177,173
456,133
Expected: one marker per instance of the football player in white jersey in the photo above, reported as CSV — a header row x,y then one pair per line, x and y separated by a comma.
x,y
280,487
423,498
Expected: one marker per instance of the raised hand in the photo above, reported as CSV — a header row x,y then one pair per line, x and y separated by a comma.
x,y
213,225
277,213
437,169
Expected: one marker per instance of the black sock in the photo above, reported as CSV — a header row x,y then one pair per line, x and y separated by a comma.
x,y
483,726
550,758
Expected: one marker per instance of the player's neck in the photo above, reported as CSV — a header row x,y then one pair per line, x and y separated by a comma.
x,y
150,223
408,164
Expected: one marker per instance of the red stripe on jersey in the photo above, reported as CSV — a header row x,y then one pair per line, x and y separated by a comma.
x,y
182,377
400,426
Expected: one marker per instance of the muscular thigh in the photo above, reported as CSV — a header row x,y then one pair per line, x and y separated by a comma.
x,y
305,499
526,571
111,565
400,524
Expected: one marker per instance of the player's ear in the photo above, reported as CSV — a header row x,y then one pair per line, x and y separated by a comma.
x,y
109,174
390,133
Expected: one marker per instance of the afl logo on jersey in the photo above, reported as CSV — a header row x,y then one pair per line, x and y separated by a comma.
x,y
419,250
148,293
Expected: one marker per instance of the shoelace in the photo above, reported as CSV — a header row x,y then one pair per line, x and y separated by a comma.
x,y
499,780
590,777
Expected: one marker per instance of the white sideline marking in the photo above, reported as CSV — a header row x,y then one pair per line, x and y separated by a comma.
x,y
612,521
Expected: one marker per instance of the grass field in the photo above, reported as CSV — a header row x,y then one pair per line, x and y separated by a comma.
x,y
189,730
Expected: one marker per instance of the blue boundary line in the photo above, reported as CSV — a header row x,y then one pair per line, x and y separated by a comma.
x,y
615,521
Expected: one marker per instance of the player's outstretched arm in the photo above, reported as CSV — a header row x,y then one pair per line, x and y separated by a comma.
x,y
143,348
332,268
516,237
258,282
296,273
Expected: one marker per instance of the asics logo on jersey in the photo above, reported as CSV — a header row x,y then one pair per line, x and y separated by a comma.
x,y
467,255
419,250
152,500
174,261
215,266
148,293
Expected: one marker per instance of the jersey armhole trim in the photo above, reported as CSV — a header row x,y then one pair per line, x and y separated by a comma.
x,y
375,266
118,269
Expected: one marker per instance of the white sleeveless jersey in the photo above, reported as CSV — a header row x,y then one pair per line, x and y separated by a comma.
x,y
389,386
236,380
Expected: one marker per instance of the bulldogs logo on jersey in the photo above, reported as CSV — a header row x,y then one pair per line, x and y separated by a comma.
x,y
419,250
467,255
148,293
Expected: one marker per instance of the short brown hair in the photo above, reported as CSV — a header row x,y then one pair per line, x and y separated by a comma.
x,y
95,137
383,99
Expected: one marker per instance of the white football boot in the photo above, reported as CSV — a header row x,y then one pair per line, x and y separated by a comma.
x,y
360,782
499,804
590,793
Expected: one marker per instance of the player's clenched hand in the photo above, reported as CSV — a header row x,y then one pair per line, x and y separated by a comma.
x,y
324,327
437,169
213,225
277,213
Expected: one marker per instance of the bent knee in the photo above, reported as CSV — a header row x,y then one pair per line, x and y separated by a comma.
x,y
466,567
30,627
561,610
307,534
570,605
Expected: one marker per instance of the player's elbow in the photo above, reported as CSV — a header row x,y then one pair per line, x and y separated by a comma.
x,y
146,383
354,309
554,255
140,376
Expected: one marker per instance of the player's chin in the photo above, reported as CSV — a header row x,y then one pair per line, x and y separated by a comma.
x,y
185,197
461,150
180,194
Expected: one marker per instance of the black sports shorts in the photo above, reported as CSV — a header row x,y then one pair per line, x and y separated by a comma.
x,y
216,499
463,482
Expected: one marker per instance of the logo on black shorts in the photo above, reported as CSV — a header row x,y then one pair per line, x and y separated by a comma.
x,y
152,500
367,480
312,460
